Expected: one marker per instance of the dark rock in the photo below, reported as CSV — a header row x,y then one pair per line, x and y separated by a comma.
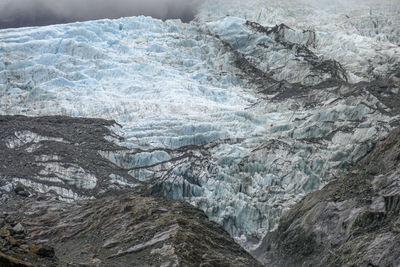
x,y
12,241
18,250
42,198
25,248
42,251
19,236
127,230
3,243
7,261
21,190
23,193
12,219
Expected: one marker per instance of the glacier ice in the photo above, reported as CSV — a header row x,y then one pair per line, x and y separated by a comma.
x,y
21,138
192,119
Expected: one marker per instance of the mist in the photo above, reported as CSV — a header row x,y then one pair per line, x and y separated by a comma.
x,y
22,13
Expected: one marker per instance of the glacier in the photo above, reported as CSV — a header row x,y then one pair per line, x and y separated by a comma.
x,y
241,112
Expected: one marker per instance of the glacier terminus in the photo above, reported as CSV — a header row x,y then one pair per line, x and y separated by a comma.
x,y
241,112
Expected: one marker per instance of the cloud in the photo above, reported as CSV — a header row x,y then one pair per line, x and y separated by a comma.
x,y
16,13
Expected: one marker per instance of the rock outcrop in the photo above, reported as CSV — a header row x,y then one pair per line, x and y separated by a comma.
x,y
353,221
119,230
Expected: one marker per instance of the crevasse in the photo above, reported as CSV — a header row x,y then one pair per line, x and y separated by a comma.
x,y
198,125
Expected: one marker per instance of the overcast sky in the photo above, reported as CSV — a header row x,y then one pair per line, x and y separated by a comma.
x,y
17,13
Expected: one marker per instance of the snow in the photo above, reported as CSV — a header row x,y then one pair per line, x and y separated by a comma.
x,y
363,36
190,117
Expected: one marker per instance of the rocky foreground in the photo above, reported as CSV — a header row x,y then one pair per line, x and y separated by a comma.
x,y
120,230
353,221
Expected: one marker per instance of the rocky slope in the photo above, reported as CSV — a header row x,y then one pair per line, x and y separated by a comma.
x,y
119,230
353,221
41,226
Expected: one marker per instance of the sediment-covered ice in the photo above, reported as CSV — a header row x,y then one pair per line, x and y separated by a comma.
x,y
195,123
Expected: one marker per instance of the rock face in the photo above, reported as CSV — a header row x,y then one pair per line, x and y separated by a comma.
x,y
123,230
40,226
353,221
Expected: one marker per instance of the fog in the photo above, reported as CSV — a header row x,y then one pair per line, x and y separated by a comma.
x,y
20,13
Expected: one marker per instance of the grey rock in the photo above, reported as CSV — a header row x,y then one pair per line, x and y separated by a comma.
x,y
12,219
23,193
21,190
352,221
126,230
18,229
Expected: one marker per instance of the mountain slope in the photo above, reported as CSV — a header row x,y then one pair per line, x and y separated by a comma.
x,y
119,230
353,221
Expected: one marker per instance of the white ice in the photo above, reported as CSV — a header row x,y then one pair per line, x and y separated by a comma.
x,y
171,85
